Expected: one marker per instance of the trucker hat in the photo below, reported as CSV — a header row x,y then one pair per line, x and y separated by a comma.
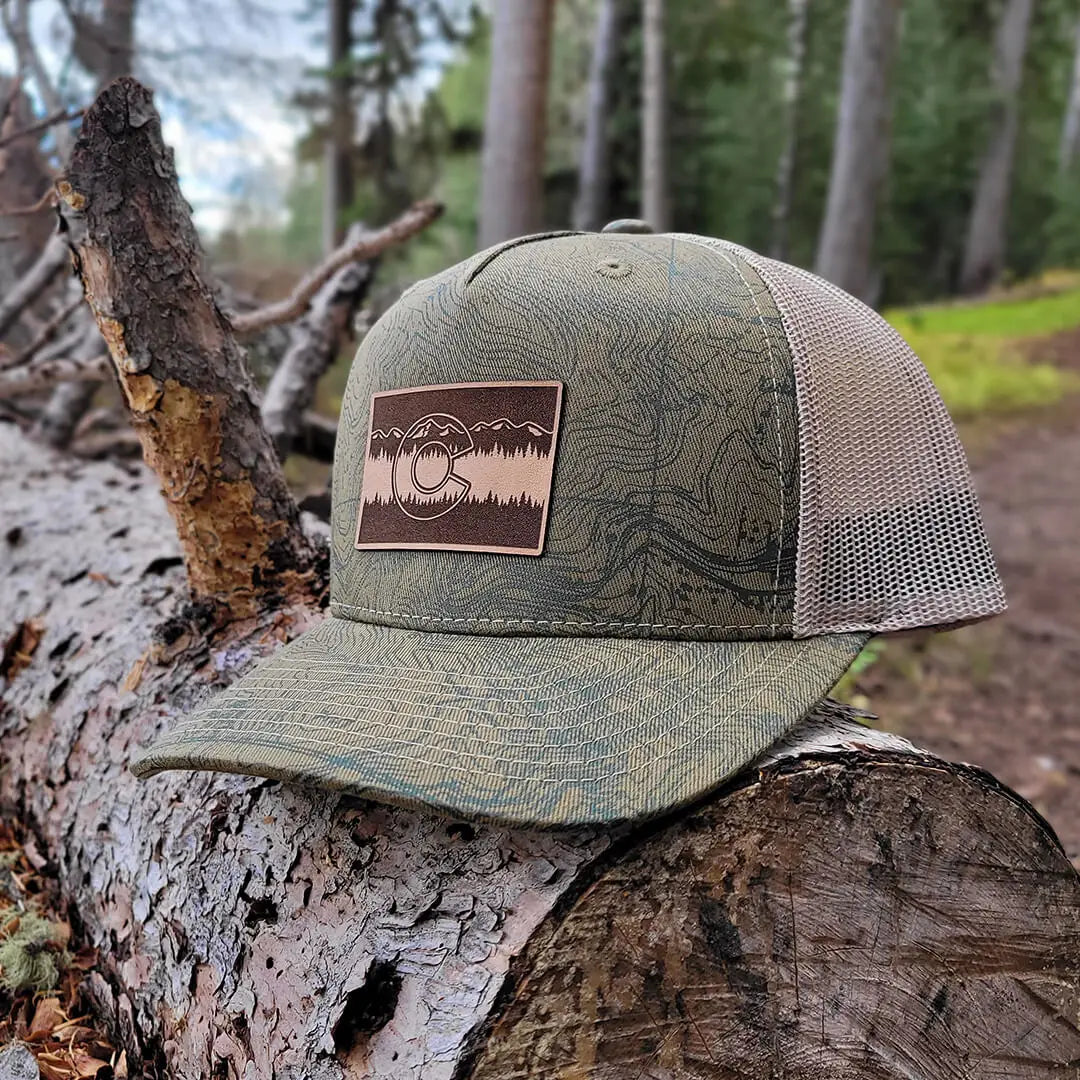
x,y
611,513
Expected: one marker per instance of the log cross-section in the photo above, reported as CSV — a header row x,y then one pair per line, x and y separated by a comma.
x,y
192,400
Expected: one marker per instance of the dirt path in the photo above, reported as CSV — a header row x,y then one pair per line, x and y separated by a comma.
x,y
1005,694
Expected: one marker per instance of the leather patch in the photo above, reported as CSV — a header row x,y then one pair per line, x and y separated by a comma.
x,y
465,467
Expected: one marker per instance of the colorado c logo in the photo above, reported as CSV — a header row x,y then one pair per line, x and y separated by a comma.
x,y
426,468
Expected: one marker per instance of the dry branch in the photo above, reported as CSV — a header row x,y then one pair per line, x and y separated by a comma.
x,y
365,249
64,116
44,336
314,341
17,25
47,199
30,378
53,258
183,375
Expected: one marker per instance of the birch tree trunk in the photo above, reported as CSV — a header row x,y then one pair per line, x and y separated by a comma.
x,y
826,914
984,249
338,181
512,176
798,21
1070,125
861,148
591,203
655,200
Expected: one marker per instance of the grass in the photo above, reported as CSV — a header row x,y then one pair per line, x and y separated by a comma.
x,y
972,350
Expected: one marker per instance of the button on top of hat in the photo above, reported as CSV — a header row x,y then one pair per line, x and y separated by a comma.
x,y
628,225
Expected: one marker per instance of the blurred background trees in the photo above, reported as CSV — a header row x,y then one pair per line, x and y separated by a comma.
x,y
909,149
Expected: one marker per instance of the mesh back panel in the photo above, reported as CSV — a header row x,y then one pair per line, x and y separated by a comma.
x,y
890,535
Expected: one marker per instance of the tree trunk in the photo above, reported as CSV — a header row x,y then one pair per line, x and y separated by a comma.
x,y
512,180
182,372
984,250
861,148
590,207
798,21
118,35
827,913
1070,125
338,181
655,202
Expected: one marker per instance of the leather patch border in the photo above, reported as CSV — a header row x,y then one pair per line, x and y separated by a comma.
x,y
420,545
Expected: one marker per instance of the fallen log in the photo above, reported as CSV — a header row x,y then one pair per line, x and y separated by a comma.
x,y
847,907
850,907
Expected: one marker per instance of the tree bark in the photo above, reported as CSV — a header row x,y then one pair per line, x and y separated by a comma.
x,y
1070,125
512,172
341,130
314,342
826,914
984,250
861,147
655,200
590,206
191,398
798,21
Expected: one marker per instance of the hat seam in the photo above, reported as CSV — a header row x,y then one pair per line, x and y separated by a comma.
x,y
559,622
779,438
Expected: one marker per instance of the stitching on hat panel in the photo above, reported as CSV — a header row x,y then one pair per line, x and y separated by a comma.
x,y
776,404
559,622
301,739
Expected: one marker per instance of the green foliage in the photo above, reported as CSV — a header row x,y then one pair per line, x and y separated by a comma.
x,y
31,957
971,350
846,689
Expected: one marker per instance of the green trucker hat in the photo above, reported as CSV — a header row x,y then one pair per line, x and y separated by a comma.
x,y
611,512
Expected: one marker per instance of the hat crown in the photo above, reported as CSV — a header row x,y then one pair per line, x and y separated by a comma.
x,y
673,491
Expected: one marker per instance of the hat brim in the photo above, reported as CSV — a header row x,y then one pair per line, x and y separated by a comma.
x,y
522,730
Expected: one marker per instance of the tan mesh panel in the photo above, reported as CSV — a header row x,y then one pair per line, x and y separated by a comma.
x,y
890,535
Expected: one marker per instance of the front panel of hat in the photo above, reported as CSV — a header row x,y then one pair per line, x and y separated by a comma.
x,y
674,498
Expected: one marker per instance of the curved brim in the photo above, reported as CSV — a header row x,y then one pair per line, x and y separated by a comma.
x,y
523,730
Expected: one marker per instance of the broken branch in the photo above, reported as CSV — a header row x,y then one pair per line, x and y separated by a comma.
x,y
366,248
53,258
181,370
313,346
16,381
45,335
64,116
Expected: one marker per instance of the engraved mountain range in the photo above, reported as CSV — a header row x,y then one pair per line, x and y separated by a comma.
x,y
502,435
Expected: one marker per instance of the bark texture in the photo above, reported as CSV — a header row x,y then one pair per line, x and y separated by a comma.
x,y
314,342
861,146
848,909
590,206
798,22
655,200
984,250
192,401
512,172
